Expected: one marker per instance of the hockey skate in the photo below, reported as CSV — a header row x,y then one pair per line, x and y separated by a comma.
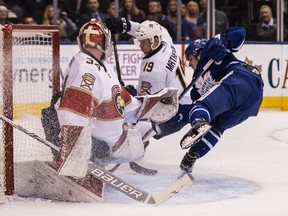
x,y
187,164
199,128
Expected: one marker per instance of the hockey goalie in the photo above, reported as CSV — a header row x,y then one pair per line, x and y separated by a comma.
x,y
92,121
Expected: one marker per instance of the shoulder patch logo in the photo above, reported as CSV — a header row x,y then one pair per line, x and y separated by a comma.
x,y
118,100
145,87
88,81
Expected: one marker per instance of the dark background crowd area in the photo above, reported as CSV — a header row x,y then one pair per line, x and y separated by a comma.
x,y
72,14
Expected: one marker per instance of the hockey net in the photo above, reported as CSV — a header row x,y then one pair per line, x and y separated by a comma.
x,y
29,75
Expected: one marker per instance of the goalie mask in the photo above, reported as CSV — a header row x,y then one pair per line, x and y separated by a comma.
x,y
148,30
194,49
95,35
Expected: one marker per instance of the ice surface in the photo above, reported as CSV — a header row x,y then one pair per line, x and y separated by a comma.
x,y
246,174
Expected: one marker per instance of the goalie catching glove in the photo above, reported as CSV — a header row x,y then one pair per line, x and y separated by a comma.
x,y
159,107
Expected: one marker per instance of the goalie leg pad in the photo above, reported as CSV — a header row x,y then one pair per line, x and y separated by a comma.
x,y
77,161
132,148
128,148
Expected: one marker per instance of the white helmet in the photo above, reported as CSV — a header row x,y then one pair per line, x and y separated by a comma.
x,y
148,30
95,34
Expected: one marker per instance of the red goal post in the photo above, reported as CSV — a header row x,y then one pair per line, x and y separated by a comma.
x,y
29,75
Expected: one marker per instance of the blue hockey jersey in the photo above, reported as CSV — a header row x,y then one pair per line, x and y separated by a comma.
x,y
232,90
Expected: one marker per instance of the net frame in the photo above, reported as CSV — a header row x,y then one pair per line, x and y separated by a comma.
x,y
8,33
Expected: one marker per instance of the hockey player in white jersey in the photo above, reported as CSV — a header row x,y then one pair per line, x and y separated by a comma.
x,y
160,67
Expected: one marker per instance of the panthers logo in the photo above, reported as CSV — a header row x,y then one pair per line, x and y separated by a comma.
x,y
118,100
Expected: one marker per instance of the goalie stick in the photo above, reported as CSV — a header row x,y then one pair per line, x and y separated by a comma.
x,y
120,185
136,193
133,166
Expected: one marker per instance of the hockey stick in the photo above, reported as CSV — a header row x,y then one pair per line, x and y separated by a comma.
x,y
118,70
116,182
142,170
136,193
33,135
137,168
133,166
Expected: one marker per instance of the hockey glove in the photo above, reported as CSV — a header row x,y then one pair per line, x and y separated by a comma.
x,y
234,38
131,89
118,25
216,50
187,164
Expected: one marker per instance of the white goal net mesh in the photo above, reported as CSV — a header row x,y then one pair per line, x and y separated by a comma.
x,y
32,69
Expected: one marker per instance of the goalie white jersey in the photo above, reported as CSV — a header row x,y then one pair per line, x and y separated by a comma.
x,y
93,96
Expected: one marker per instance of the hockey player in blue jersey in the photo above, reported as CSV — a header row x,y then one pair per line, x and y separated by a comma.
x,y
225,95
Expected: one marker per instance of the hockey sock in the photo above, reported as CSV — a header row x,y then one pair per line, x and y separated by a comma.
x,y
198,111
206,143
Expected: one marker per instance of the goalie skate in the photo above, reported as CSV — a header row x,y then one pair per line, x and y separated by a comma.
x,y
199,129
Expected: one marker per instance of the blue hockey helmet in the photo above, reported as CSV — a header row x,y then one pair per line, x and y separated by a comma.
x,y
194,47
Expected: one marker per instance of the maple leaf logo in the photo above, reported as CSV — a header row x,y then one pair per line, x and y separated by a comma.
x,y
205,83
